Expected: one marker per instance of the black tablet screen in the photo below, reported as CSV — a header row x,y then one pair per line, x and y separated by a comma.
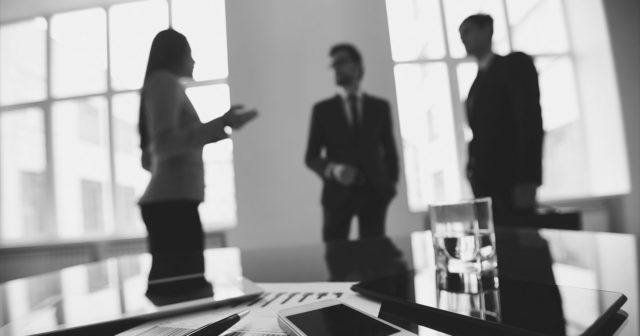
x,y
339,320
514,305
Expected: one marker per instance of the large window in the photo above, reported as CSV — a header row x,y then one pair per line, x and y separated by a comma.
x,y
69,144
433,76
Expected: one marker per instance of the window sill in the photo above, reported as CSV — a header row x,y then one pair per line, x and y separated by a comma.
x,y
19,260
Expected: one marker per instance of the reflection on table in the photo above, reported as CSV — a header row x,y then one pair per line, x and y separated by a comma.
x,y
110,290
114,288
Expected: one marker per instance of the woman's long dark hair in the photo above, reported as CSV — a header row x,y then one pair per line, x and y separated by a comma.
x,y
168,51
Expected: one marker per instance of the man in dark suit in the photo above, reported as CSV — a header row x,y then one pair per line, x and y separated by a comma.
x,y
351,147
503,111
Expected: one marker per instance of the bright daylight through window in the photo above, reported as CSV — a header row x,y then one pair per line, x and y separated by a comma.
x,y
584,151
69,144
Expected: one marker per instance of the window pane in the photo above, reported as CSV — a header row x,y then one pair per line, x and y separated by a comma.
x,y
537,26
23,176
23,61
558,92
79,52
427,128
131,178
466,75
458,10
82,176
565,165
565,147
132,28
219,208
203,23
416,29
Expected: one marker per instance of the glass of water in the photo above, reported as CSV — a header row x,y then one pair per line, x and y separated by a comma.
x,y
463,237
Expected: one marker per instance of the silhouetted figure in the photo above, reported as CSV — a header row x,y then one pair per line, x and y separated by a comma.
x,y
172,137
503,111
351,147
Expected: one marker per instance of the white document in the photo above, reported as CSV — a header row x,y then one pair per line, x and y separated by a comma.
x,y
262,319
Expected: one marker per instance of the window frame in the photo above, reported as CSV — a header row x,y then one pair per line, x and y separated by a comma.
x,y
46,105
457,104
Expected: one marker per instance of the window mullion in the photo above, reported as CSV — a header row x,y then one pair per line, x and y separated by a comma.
x,y
456,106
445,31
170,16
110,215
508,23
571,54
51,206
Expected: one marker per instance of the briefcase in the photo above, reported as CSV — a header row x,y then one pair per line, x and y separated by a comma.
x,y
545,217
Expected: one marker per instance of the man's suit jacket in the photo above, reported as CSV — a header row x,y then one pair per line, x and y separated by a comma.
x,y
503,110
373,151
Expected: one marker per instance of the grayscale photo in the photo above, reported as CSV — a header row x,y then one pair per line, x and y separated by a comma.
x,y
320,168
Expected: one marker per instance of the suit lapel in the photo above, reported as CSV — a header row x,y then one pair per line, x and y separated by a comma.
x,y
368,116
340,121
365,113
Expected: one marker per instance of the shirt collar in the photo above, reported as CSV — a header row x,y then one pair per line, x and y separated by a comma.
x,y
343,93
485,61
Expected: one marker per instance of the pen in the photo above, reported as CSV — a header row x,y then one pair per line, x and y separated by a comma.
x,y
217,328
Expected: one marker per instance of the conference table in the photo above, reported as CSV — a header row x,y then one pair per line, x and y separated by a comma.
x,y
86,299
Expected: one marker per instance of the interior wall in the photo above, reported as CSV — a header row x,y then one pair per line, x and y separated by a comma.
x,y
623,17
278,62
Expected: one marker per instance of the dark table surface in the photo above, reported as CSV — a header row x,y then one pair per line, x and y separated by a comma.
x,y
86,294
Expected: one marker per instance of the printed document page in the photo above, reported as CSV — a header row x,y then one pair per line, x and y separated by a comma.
x,y
262,319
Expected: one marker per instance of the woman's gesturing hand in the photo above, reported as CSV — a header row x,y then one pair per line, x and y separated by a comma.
x,y
238,116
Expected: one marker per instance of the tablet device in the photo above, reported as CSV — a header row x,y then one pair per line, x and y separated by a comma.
x,y
514,308
334,318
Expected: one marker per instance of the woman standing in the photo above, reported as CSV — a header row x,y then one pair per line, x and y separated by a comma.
x,y
172,138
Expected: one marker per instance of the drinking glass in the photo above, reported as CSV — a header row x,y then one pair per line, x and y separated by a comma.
x,y
463,237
